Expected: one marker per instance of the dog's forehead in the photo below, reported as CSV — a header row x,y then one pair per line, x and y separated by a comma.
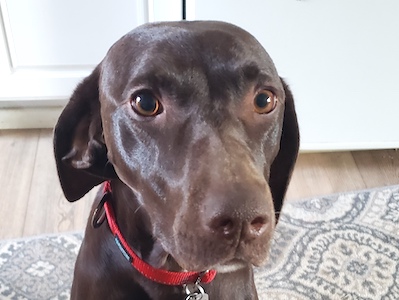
x,y
199,53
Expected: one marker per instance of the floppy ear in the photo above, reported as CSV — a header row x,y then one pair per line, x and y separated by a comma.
x,y
80,152
283,164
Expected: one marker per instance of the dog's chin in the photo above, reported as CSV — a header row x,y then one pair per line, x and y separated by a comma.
x,y
229,266
238,258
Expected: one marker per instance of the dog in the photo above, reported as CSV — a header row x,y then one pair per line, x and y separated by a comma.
x,y
193,137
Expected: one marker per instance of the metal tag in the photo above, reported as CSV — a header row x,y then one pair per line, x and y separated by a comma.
x,y
203,296
195,292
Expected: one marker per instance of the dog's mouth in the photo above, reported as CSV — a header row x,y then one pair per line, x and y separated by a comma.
x,y
226,256
229,261
225,266
230,266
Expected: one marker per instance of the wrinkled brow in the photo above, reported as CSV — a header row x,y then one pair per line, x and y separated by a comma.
x,y
252,73
180,85
201,80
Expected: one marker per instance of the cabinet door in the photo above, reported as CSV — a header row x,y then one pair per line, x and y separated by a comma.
x,y
340,57
47,46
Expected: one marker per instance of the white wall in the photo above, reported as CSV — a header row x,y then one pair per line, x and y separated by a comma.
x,y
340,57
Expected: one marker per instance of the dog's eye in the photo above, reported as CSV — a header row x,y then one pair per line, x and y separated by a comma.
x,y
145,103
265,102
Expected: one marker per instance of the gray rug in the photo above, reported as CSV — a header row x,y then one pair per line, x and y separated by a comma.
x,y
342,246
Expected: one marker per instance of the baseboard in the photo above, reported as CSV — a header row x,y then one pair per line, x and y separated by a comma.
x,y
347,146
29,117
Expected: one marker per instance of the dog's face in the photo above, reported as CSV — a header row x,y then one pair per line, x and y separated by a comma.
x,y
191,118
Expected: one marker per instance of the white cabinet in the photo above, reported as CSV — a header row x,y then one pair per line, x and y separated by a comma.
x,y
341,58
48,46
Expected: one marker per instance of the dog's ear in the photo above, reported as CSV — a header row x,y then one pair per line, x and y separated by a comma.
x,y
80,152
283,164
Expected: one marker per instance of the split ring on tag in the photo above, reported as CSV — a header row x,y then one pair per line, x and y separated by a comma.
x,y
195,292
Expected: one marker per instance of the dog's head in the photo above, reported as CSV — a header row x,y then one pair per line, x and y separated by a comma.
x,y
194,119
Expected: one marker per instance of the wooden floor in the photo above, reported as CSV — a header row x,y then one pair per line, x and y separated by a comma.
x,y
31,201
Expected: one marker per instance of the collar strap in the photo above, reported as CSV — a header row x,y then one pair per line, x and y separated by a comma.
x,y
158,275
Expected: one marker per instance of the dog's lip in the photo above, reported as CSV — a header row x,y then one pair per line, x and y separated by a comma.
x,y
227,267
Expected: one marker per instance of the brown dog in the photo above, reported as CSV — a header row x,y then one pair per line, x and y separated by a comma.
x,y
196,136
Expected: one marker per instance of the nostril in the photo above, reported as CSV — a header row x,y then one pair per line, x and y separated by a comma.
x,y
228,227
223,225
258,225
226,224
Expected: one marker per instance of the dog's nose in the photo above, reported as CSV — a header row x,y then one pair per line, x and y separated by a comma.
x,y
228,227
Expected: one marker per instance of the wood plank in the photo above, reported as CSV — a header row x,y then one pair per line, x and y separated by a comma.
x,y
18,151
324,173
378,168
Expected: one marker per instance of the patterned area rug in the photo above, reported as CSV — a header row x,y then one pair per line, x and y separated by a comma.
x,y
342,246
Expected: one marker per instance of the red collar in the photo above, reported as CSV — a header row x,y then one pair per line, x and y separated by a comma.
x,y
148,271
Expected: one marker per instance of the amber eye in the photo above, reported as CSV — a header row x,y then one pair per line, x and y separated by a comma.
x,y
145,103
265,102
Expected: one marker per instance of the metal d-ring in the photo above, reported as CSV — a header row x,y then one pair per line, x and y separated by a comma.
x,y
98,217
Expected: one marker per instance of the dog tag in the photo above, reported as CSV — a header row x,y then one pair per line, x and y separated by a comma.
x,y
203,296
197,294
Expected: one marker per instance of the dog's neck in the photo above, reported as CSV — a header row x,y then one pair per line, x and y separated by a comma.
x,y
136,226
